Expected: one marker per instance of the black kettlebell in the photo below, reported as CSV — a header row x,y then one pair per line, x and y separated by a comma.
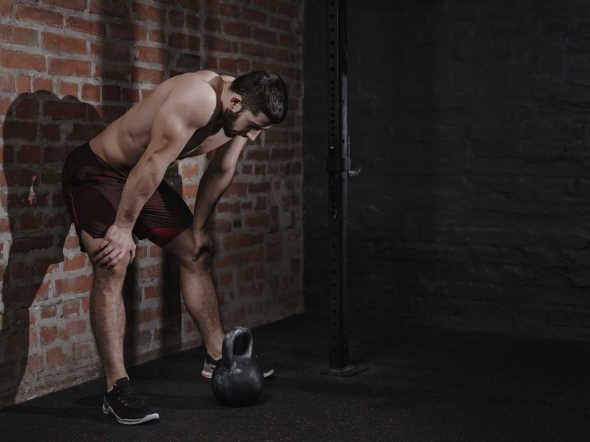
x,y
237,380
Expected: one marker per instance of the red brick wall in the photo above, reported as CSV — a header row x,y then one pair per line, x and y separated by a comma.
x,y
67,68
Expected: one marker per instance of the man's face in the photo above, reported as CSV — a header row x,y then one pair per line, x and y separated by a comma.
x,y
244,123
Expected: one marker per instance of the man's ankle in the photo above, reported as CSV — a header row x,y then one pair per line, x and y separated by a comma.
x,y
110,382
214,356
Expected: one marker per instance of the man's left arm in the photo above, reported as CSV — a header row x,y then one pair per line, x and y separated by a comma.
x,y
216,179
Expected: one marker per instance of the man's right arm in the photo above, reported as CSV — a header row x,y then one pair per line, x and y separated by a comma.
x,y
168,136
173,126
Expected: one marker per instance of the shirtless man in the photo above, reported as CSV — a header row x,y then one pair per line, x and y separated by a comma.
x,y
115,192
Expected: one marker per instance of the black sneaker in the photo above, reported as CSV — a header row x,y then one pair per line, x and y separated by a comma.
x,y
125,405
209,365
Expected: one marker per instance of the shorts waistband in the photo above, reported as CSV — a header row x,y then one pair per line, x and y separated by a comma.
x,y
84,153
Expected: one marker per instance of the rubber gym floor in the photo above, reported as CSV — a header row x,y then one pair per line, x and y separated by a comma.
x,y
420,385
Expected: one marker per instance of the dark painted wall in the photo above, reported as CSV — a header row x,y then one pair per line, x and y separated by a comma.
x,y
471,122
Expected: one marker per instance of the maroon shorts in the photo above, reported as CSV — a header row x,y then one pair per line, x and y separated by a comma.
x,y
92,191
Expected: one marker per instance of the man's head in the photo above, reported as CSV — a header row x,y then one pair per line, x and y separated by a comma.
x,y
257,100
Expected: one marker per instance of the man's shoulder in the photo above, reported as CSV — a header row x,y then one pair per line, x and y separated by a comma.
x,y
227,77
196,83
204,76
212,78
194,95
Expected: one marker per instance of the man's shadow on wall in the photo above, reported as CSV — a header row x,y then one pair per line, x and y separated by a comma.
x,y
39,131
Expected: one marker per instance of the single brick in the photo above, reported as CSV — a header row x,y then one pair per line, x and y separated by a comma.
x,y
190,170
115,8
81,350
86,26
39,15
77,5
67,88
152,55
76,263
149,75
6,82
213,24
55,357
64,66
252,49
218,44
238,29
60,43
48,335
152,292
264,36
90,92
48,312
21,60
145,12
18,35
254,15
73,328
228,65
184,41
34,363
43,84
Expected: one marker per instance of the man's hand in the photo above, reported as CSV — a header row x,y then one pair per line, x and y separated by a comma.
x,y
118,243
202,244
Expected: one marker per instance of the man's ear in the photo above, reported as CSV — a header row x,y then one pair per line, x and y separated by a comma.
x,y
236,103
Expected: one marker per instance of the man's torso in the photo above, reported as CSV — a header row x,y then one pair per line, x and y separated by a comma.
x,y
122,143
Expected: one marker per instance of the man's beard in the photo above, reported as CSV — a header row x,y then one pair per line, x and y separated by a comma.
x,y
228,120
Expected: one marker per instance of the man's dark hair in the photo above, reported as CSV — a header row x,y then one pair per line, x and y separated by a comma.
x,y
264,92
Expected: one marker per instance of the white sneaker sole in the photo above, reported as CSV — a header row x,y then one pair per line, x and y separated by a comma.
x,y
106,409
267,374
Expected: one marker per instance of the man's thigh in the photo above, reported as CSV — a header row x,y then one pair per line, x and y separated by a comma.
x,y
93,212
164,216
92,191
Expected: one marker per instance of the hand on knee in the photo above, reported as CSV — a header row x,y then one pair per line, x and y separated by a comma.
x,y
202,250
100,251
115,271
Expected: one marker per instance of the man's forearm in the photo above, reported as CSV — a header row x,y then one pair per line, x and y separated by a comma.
x,y
212,186
142,182
217,178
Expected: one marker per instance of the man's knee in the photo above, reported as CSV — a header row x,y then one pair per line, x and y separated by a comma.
x,y
200,257
116,272
92,247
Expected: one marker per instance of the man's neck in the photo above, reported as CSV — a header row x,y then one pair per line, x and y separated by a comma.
x,y
221,88
225,93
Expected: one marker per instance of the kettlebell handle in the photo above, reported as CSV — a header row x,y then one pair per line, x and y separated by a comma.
x,y
228,344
